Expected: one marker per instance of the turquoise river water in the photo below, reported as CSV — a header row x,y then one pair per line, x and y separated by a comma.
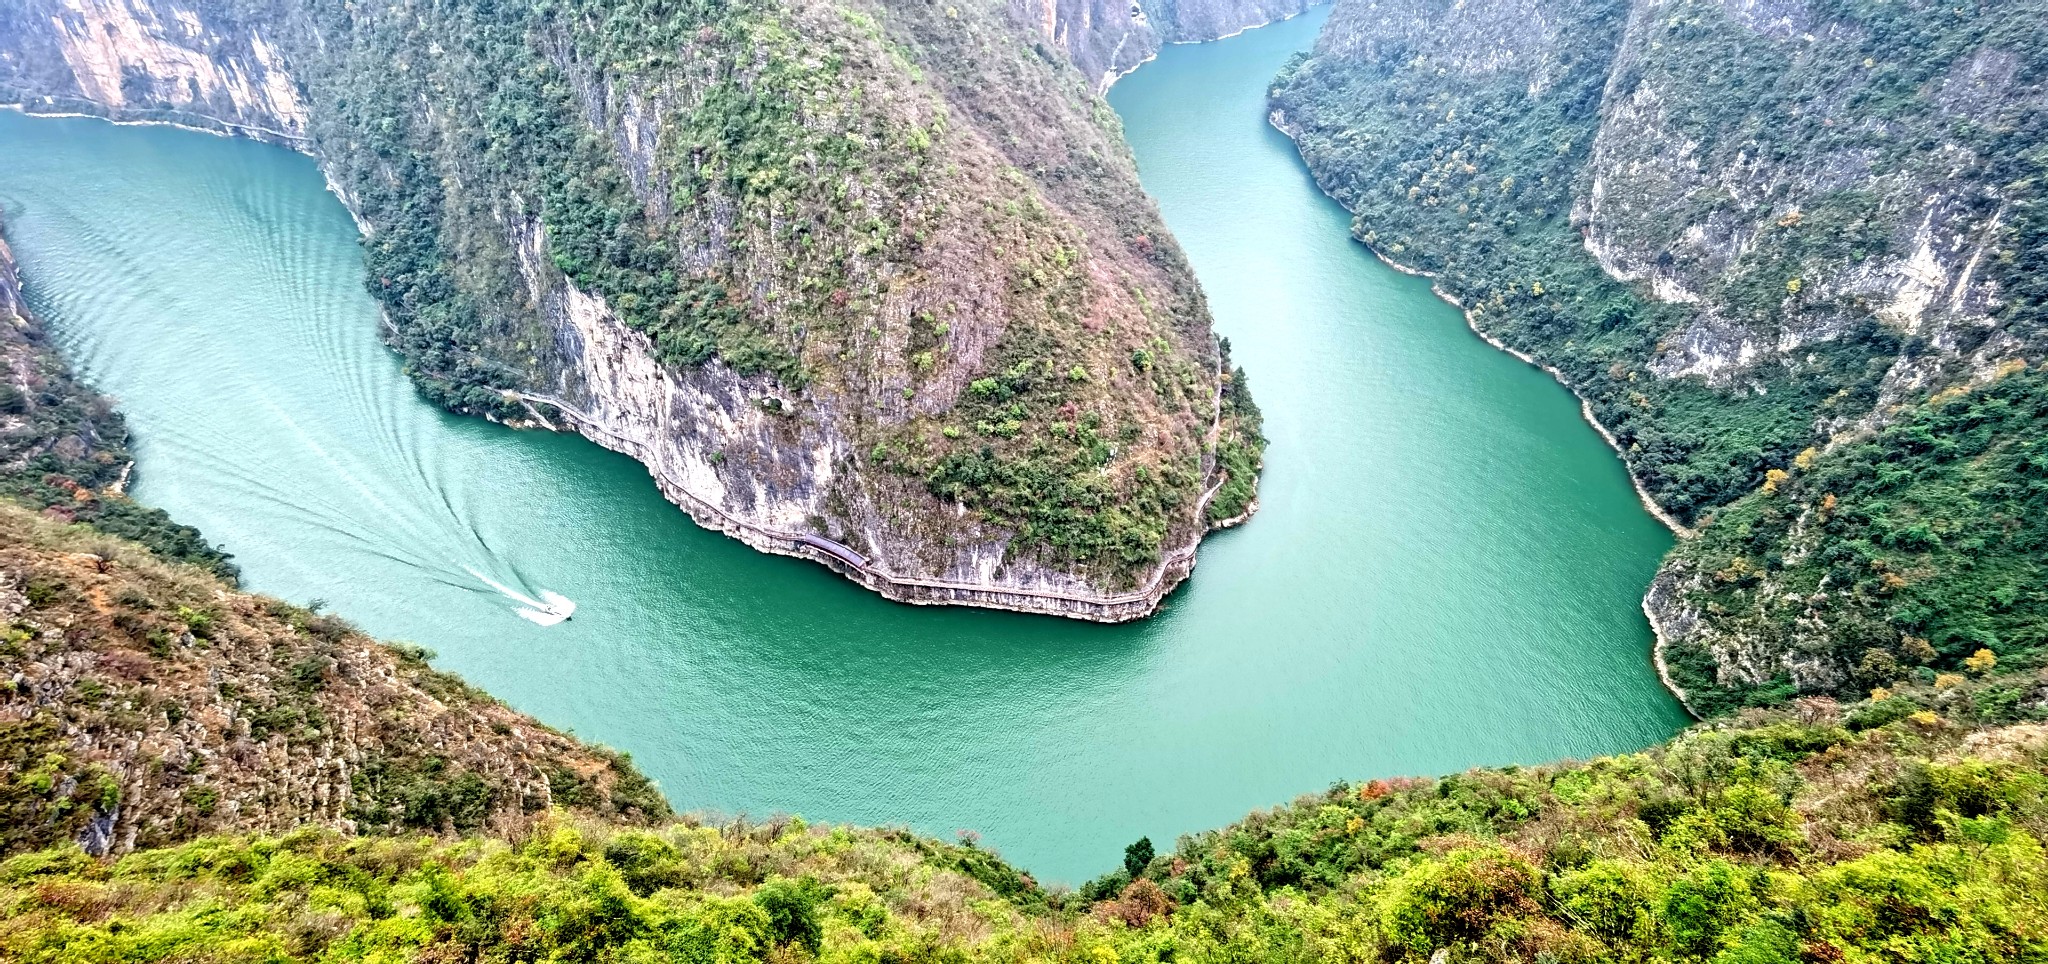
x,y
1445,573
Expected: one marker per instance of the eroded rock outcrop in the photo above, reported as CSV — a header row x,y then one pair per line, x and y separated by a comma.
x,y
149,61
13,310
1722,209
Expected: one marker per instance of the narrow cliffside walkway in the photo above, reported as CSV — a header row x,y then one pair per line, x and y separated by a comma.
x,y
1174,565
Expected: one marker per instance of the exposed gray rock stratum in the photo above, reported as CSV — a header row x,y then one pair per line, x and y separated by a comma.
x,y
1691,203
158,61
719,446
1508,36
12,310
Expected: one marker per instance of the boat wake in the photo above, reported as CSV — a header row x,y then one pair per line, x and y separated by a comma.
x,y
551,608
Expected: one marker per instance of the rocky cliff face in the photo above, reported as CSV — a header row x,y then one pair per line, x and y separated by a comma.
x,y
802,259
148,61
1790,215
13,310
1511,36
1107,38
729,450
1785,250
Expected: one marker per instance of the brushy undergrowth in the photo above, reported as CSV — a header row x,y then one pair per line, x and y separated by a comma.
x,y
1888,830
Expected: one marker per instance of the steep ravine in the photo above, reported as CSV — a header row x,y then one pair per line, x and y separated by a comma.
x,y
1482,607
1060,317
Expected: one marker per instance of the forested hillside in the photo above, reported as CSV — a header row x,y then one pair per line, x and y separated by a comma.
x,y
146,702
876,272
1789,252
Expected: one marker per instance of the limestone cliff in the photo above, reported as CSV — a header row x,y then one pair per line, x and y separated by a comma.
x,y
1796,215
1787,250
1107,38
148,61
13,310
870,283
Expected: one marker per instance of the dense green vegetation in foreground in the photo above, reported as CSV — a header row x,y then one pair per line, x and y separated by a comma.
x,y
1894,830
1820,567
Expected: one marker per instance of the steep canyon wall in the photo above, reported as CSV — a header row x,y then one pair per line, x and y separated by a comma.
x,y
1786,249
877,275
